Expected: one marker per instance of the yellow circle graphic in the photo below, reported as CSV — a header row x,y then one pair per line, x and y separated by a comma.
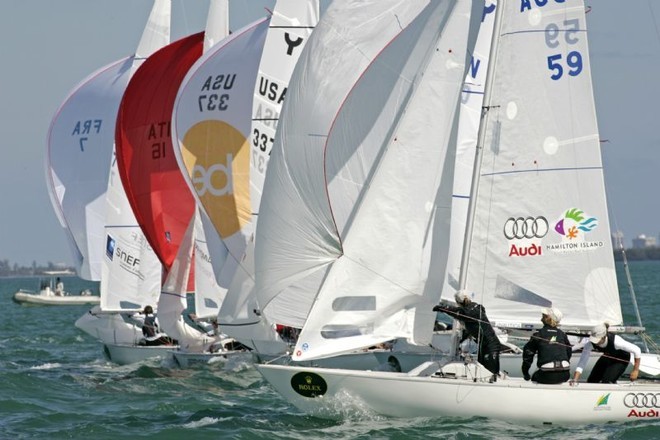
x,y
217,159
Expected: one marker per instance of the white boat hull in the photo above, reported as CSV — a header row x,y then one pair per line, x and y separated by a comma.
x,y
352,361
25,297
511,363
187,359
125,354
330,393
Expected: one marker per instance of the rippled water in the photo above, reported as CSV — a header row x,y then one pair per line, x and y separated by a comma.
x,y
55,384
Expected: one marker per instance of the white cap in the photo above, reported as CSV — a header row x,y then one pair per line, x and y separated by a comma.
x,y
554,313
461,296
597,333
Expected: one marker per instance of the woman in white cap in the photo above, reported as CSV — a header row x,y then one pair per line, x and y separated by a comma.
x,y
552,348
473,316
615,359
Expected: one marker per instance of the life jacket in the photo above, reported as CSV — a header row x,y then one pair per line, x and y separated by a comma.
x,y
614,354
479,327
150,328
553,349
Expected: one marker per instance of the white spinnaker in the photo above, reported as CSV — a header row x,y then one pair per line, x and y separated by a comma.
x,y
80,148
130,270
541,232
298,234
297,238
211,125
395,241
290,27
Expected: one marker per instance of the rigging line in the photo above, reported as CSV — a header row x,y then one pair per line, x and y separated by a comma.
x,y
655,22
618,236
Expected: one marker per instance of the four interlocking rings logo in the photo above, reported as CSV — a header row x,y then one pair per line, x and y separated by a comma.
x,y
525,227
641,400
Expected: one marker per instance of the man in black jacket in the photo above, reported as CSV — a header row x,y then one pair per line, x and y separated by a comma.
x,y
553,349
473,316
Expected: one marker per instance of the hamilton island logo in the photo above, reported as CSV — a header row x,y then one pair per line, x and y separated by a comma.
x,y
573,227
575,223
309,384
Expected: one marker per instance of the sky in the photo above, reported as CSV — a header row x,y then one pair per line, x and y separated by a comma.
x,y
47,47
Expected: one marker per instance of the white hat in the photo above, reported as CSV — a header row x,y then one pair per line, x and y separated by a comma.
x,y
554,313
597,333
461,296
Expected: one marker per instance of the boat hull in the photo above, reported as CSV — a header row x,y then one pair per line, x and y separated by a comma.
x,y
187,359
331,393
125,354
23,297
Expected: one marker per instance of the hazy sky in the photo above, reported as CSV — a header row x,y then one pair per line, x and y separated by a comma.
x,y
48,46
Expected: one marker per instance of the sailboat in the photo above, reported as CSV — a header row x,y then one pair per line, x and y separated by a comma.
x,y
130,270
161,201
218,147
537,157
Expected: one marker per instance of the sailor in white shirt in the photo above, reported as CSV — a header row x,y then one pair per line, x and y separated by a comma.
x,y
615,359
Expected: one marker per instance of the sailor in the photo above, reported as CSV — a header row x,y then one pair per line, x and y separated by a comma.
x,y
553,349
150,331
59,287
473,316
615,359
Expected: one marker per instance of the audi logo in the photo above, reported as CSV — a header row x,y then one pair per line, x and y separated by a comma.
x,y
525,227
641,400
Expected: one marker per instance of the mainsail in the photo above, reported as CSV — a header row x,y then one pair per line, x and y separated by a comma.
x,y
541,230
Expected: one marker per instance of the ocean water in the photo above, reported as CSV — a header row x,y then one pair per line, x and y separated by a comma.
x,y
56,384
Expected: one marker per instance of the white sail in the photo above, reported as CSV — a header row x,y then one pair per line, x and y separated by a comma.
x,y
290,27
80,150
130,270
217,23
538,121
211,123
359,187
468,126
541,232
173,298
208,294
131,276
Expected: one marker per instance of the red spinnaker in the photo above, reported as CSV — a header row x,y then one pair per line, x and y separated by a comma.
x,y
156,189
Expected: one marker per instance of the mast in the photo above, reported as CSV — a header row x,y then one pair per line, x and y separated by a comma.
x,y
481,136
478,155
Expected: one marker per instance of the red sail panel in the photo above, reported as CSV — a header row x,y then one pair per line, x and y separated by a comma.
x,y
156,189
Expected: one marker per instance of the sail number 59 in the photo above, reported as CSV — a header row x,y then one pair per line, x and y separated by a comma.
x,y
573,61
